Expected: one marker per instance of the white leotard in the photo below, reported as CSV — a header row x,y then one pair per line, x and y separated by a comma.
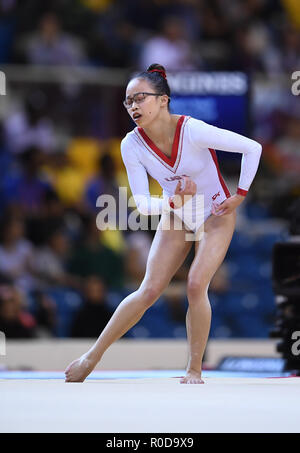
x,y
193,155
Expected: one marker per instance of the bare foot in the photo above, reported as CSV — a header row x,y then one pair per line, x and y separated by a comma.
x,y
79,369
192,377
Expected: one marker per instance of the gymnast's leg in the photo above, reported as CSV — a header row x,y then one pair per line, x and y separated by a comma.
x,y
209,254
168,251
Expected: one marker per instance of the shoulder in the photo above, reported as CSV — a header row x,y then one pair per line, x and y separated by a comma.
x,y
194,127
193,123
200,130
129,139
129,145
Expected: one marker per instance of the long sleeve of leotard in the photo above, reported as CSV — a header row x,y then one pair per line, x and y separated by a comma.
x,y
208,136
138,182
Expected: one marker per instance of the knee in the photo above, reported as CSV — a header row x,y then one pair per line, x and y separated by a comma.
x,y
149,294
196,288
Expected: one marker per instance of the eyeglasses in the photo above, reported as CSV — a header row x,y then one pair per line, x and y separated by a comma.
x,y
138,98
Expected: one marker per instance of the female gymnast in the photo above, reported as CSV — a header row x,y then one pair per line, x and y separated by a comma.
x,y
179,152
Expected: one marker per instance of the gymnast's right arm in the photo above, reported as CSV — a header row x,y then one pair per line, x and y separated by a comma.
x,y
138,181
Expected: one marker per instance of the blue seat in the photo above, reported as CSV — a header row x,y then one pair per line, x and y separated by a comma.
x,y
7,28
251,326
67,303
265,243
255,211
219,326
241,244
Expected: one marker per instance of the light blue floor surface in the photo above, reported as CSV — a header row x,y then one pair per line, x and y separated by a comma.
x,y
136,374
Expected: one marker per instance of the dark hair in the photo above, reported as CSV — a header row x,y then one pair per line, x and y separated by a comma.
x,y
156,75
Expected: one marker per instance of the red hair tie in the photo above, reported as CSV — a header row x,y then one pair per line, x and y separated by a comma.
x,y
161,72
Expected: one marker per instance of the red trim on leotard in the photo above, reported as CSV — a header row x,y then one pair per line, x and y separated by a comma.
x,y
169,160
215,159
242,192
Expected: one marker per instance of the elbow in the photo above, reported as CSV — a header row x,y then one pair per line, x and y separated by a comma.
x,y
254,149
258,148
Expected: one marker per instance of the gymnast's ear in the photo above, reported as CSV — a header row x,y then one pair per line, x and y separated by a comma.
x,y
164,99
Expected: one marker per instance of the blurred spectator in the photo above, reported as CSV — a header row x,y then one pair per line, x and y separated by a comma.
x,y
144,15
255,49
50,262
29,125
67,179
247,49
169,47
97,5
15,321
293,11
27,187
50,218
103,183
7,28
91,257
16,254
44,310
294,218
282,160
288,151
283,153
213,47
94,314
237,11
290,60
114,42
51,45
6,163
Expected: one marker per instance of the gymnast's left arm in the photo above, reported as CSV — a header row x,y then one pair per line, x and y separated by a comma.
x,y
225,140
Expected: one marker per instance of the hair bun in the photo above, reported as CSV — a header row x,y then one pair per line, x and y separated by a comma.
x,y
158,69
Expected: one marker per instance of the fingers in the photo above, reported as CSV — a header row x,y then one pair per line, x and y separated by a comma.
x,y
220,213
219,210
182,184
178,188
185,186
188,186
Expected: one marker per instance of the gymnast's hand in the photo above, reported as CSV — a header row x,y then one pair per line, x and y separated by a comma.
x,y
185,190
228,205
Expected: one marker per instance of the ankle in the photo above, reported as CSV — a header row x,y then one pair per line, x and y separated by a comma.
x,y
194,371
